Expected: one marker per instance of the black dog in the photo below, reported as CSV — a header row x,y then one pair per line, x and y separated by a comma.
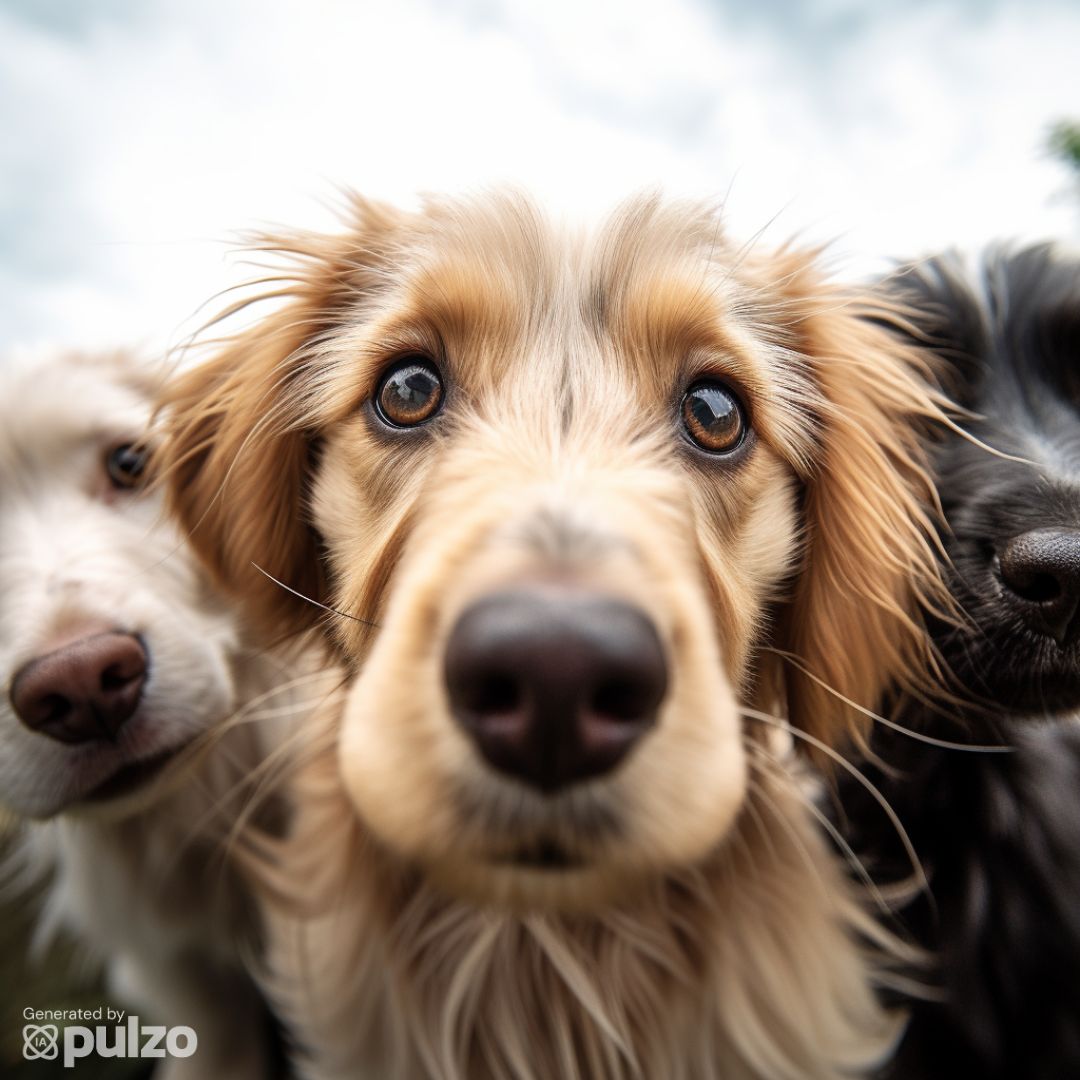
x,y
998,833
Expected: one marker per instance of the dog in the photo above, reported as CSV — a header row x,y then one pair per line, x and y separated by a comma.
x,y
118,662
564,502
998,833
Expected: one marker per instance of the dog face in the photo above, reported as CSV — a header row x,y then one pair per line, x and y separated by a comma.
x,y
1009,343
112,653
560,488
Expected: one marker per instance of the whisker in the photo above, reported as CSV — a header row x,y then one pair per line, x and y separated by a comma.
x,y
317,603
283,758
838,838
879,798
292,755
280,761
919,736
210,742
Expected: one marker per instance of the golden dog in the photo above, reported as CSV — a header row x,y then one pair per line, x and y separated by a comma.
x,y
565,501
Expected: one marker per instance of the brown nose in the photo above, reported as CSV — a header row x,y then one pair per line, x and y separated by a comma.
x,y
84,691
1041,569
553,685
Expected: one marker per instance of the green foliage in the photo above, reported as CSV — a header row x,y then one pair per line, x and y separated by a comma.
x,y
1064,143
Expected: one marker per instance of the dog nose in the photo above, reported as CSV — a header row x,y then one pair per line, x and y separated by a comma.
x,y
1041,569
554,685
84,691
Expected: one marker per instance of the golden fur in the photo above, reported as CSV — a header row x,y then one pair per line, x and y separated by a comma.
x,y
702,929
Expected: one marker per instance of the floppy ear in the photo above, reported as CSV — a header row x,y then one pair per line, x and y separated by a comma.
x,y
938,308
943,306
854,627
237,453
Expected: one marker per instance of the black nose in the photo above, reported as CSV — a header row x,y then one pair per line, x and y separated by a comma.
x,y
554,685
1041,570
84,691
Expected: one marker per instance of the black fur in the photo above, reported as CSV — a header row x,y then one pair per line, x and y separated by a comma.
x,y
998,834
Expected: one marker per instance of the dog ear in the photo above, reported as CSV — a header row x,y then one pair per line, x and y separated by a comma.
x,y
936,307
236,456
854,627
942,305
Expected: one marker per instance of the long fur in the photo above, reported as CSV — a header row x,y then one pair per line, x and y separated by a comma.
x,y
741,967
997,832
707,935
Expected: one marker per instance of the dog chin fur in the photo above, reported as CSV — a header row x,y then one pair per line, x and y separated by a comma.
x,y
742,966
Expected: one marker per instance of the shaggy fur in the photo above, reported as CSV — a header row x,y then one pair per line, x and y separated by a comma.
x,y
139,878
696,928
999,834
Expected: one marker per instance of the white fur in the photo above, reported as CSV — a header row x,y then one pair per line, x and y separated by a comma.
x,y
141,880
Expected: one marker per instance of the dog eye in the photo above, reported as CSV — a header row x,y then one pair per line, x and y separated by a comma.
x,y
125,465
713,417
410,393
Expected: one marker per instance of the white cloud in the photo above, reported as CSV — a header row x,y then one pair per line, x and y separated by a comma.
x,y
138,139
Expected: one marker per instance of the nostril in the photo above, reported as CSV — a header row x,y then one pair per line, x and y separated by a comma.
x,y
1035,588
621,699
496,692
117,676
53,708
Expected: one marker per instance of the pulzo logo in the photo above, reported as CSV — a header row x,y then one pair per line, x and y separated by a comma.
x,y
130,1039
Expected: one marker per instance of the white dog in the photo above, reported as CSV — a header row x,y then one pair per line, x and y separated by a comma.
x,y
118,662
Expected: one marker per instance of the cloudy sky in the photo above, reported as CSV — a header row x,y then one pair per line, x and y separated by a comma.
x,y
139,137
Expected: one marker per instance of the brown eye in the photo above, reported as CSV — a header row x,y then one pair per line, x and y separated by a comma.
x,y
125,465
410,393
713,417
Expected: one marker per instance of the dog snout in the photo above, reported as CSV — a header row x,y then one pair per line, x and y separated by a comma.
x,y
84,691
554,685
1041,570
